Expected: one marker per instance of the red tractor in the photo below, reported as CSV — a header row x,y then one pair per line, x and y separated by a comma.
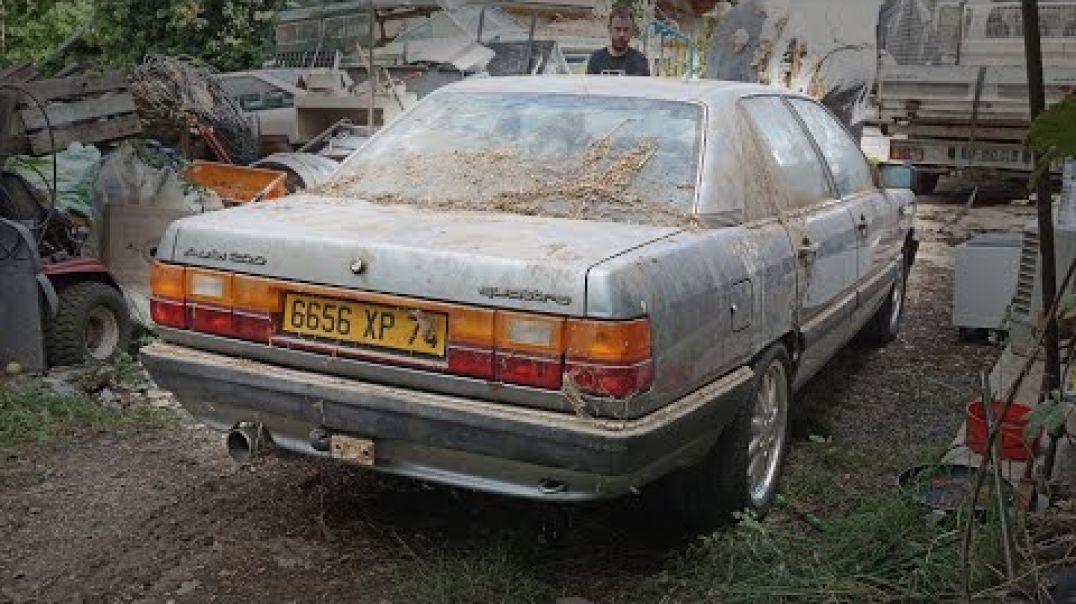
x,y
57,307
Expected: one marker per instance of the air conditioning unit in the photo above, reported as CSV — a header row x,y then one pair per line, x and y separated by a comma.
x,y
984,280
1026,306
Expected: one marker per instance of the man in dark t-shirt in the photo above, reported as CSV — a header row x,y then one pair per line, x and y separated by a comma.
x,y
618,58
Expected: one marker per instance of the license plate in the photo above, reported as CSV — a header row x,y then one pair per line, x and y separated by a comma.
x,y
358,451
999,156
396,329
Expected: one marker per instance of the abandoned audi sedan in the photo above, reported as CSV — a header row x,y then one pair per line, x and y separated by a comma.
x,y
563,289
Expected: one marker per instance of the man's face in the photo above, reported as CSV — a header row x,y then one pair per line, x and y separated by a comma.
x,y
619,33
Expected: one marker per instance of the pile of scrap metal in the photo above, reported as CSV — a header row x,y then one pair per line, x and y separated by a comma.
x,y
85,195
829,51
176,96
332,63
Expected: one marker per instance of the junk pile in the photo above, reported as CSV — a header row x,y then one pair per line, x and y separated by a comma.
x,y
829,52
93,168
174,96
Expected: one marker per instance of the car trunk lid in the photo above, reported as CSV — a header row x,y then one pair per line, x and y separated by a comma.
x,y
490,259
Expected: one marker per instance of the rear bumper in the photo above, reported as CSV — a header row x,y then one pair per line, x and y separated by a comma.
x,y
448,439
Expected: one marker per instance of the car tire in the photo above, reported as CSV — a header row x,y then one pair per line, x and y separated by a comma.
x,y
91,323
884,326
707,494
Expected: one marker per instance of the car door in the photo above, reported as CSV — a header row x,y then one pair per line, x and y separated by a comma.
x,y
819,227
877,220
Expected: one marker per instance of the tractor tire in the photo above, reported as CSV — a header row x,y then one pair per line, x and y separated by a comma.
x,y
92,323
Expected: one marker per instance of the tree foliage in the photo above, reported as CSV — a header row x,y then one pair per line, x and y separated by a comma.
x,y
1053,133
30,30
227,34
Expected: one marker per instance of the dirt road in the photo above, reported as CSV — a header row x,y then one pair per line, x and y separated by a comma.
x,y
166,516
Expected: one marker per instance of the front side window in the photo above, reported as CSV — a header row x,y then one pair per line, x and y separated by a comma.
x,y
851,172
795,163
576,156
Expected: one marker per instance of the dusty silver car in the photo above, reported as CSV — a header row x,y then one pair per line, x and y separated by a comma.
x,y
563,289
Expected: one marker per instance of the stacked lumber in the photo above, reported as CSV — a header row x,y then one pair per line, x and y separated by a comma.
x,y
83,108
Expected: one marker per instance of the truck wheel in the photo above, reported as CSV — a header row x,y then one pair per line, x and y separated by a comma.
x,y
884,326
743,469
91,323
926,183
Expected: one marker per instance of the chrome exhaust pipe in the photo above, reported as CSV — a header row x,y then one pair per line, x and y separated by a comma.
x,y
245,442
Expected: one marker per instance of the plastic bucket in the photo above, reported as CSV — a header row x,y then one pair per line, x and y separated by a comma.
x,y
1014,445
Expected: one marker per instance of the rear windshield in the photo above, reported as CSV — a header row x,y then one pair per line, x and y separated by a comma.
x,y
592,157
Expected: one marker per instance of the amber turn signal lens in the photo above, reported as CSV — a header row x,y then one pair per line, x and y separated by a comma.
x,y
470,326
609,341
255,293
167,280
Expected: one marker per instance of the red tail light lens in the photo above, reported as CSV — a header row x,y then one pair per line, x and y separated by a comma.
x,y
209,319
611,381
528,371
470,362
168,313
252,326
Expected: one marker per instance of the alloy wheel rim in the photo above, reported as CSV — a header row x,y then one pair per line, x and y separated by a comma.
x,y
768,427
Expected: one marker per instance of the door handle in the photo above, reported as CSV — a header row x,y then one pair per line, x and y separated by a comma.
x,y
863,226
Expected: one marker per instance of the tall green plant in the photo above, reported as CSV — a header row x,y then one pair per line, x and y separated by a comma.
x,y
1053,133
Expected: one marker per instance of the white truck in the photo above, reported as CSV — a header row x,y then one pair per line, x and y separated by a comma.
x,y
952,94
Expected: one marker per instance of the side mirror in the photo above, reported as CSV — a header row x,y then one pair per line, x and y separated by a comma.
x,y
897,176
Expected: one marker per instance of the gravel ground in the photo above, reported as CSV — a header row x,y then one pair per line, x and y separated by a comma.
x,y
166,516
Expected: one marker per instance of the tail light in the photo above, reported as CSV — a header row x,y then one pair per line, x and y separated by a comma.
x,y
906,153
600,358
214,302
609,358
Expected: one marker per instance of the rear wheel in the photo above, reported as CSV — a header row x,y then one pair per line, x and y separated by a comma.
x,y
743,469
91,324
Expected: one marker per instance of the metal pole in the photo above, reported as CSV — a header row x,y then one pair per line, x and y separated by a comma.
x,y
1048,267
481,24
530,40
371,73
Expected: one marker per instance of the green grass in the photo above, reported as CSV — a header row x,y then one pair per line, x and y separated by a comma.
x,y
496,572
838,535
37,416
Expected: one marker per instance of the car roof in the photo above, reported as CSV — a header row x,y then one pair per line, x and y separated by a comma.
x,y
707,91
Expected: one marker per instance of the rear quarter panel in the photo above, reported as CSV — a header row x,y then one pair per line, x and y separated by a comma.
x,y
688,285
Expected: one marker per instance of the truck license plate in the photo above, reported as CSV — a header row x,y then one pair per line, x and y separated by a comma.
x,y
398,329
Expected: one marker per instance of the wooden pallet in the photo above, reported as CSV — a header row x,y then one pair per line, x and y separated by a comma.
x,y
85,108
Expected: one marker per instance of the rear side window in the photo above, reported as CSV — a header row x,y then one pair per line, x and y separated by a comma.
x,y
851,173
795,163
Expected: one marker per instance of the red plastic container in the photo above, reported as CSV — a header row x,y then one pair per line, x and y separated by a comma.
x,y
1014,445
